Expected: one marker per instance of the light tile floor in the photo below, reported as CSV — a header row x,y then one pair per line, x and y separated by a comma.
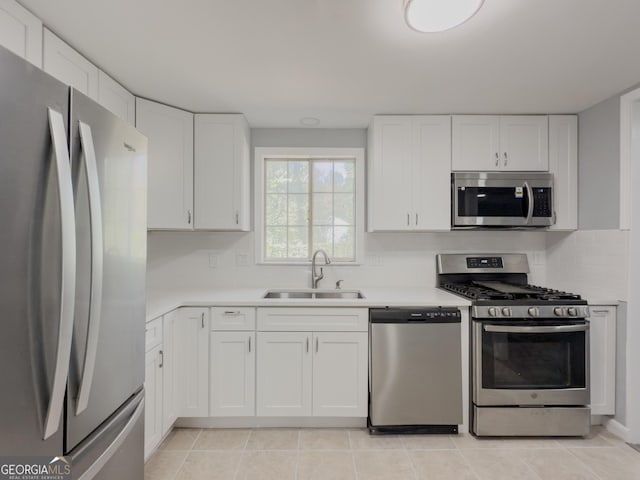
x,y
340,454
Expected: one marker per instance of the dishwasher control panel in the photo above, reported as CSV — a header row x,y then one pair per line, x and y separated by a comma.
x,y
409,315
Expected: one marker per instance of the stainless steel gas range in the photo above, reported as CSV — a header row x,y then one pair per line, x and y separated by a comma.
x,y
529,348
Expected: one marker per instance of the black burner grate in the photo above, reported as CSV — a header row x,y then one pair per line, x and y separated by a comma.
x,y
526,292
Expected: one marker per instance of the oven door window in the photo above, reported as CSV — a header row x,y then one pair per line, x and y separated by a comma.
x,y
528,361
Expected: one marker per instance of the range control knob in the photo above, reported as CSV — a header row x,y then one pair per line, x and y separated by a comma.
x,y
533,311
506,311
558,311
572,311
493,312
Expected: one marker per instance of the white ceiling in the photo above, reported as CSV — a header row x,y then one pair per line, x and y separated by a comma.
x,y
342,61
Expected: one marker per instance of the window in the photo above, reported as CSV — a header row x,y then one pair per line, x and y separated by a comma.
x,y
308,202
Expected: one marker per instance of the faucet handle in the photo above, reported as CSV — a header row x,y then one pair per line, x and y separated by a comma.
x,y
338,287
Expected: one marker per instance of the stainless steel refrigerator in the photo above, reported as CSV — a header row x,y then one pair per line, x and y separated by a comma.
x,y
72,277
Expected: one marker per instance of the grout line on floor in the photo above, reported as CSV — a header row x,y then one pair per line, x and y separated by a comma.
x,y
584,464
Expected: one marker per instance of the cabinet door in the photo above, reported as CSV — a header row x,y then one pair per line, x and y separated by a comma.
x,y
563,163
390,183
68,66
192,355
524,143
21,31
221,172
115,98
233,374
340,374
431,173
153,400
284,374
169,165
169,403
475,143
602,339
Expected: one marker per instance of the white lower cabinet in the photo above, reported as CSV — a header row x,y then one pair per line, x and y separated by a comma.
x,y
153,399
284,374
312,372
602,342
169,401
192,362
340,374
232,374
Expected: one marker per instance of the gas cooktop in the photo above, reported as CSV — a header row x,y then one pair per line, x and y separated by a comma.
x,y
494,290
498,286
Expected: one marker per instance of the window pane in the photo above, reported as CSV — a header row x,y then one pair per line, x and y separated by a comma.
x,y
298,176
322,209
276,209
276,246
344,243
298,209
322,176
343,209
323,238
275,176
298,243
344,174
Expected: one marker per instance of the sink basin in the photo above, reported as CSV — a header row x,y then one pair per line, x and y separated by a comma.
x,y
314,294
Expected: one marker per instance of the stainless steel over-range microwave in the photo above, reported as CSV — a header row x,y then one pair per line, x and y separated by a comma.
x,y
499,199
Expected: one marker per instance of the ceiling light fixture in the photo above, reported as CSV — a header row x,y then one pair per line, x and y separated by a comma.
x,y
431,16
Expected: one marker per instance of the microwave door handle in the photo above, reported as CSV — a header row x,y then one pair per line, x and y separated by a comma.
x,y
530,206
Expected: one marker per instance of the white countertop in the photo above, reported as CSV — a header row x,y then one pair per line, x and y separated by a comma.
x,y
159,303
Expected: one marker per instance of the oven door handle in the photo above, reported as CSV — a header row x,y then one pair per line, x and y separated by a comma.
x,y
551,329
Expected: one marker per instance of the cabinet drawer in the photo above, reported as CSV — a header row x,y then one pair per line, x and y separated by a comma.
x,y
313,319
153,334
233,318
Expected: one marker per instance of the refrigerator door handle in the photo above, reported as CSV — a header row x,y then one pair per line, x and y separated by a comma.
x,y
95,301
68,276
110,451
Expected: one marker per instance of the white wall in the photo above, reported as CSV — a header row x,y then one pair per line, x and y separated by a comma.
x,y
599,166
180,260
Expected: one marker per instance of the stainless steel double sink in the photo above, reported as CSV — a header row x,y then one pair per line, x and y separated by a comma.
x,y
314,294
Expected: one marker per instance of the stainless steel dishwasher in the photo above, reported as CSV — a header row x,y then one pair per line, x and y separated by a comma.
x,y
415,370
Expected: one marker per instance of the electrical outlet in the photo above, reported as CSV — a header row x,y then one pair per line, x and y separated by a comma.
x,y
242,259
213,260
537,258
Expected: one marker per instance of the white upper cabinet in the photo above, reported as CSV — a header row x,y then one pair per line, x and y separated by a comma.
x,y
170,165
563,163
21,31
222,177
493,143
68,66
116,98
409,167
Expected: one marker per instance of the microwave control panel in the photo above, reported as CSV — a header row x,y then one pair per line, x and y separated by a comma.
x,y
542,202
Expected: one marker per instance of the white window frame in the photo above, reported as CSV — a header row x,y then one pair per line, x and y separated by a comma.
x,y
262,153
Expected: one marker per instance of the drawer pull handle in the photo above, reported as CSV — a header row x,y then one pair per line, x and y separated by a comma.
x,y
249,344
231,313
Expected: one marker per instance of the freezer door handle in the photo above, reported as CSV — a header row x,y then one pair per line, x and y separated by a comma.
x,y
68,274
110,451
95,301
